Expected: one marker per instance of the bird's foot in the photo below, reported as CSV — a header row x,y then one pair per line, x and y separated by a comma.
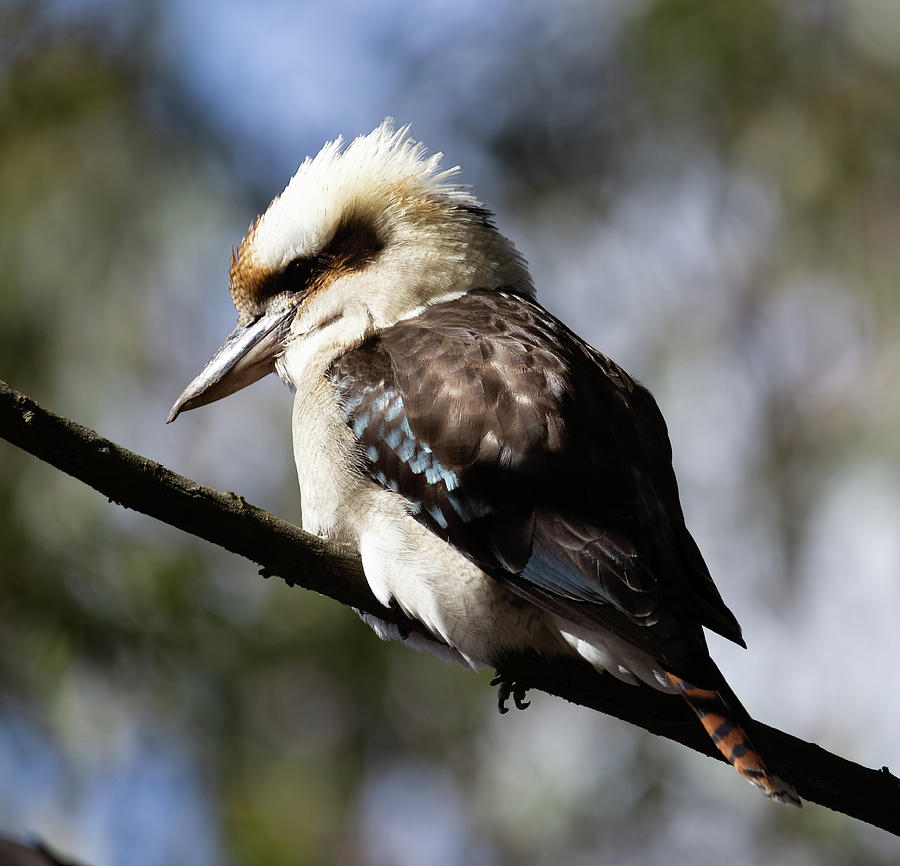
x,y
508,688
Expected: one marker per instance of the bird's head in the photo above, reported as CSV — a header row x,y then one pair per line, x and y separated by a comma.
x,y
360,238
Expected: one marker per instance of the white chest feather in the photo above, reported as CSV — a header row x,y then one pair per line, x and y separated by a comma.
x,y
325,454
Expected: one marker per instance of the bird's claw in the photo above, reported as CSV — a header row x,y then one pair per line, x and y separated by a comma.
x,y
506,689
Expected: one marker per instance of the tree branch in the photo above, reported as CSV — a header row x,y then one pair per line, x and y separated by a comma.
x,y
304,560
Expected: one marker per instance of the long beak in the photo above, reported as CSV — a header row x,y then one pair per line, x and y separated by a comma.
x,y
247,355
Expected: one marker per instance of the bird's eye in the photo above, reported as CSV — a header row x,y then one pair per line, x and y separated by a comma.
x,y
298,272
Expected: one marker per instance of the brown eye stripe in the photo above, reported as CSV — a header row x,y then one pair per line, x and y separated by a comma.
x,y
353,246
245,278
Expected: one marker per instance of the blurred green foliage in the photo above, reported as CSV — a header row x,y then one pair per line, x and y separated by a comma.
x,y
285,703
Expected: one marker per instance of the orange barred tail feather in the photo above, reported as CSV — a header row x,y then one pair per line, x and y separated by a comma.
x,y
733,741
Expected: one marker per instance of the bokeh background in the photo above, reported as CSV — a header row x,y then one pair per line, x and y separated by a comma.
x,y
708,192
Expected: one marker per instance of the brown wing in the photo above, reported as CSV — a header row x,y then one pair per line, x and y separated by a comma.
x,y
540,460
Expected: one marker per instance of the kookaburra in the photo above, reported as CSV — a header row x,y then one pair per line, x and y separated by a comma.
x,y
506,485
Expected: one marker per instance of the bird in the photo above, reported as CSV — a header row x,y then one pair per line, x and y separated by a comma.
x,y
506,485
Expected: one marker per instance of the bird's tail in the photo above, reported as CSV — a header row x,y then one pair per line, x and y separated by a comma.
x,y
732,740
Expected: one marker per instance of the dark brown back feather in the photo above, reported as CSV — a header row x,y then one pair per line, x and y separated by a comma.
x,y
540,460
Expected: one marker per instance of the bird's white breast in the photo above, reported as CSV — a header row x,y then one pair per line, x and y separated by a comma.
x,y
403,561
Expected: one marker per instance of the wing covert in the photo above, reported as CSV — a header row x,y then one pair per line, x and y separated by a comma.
x,y
536,457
